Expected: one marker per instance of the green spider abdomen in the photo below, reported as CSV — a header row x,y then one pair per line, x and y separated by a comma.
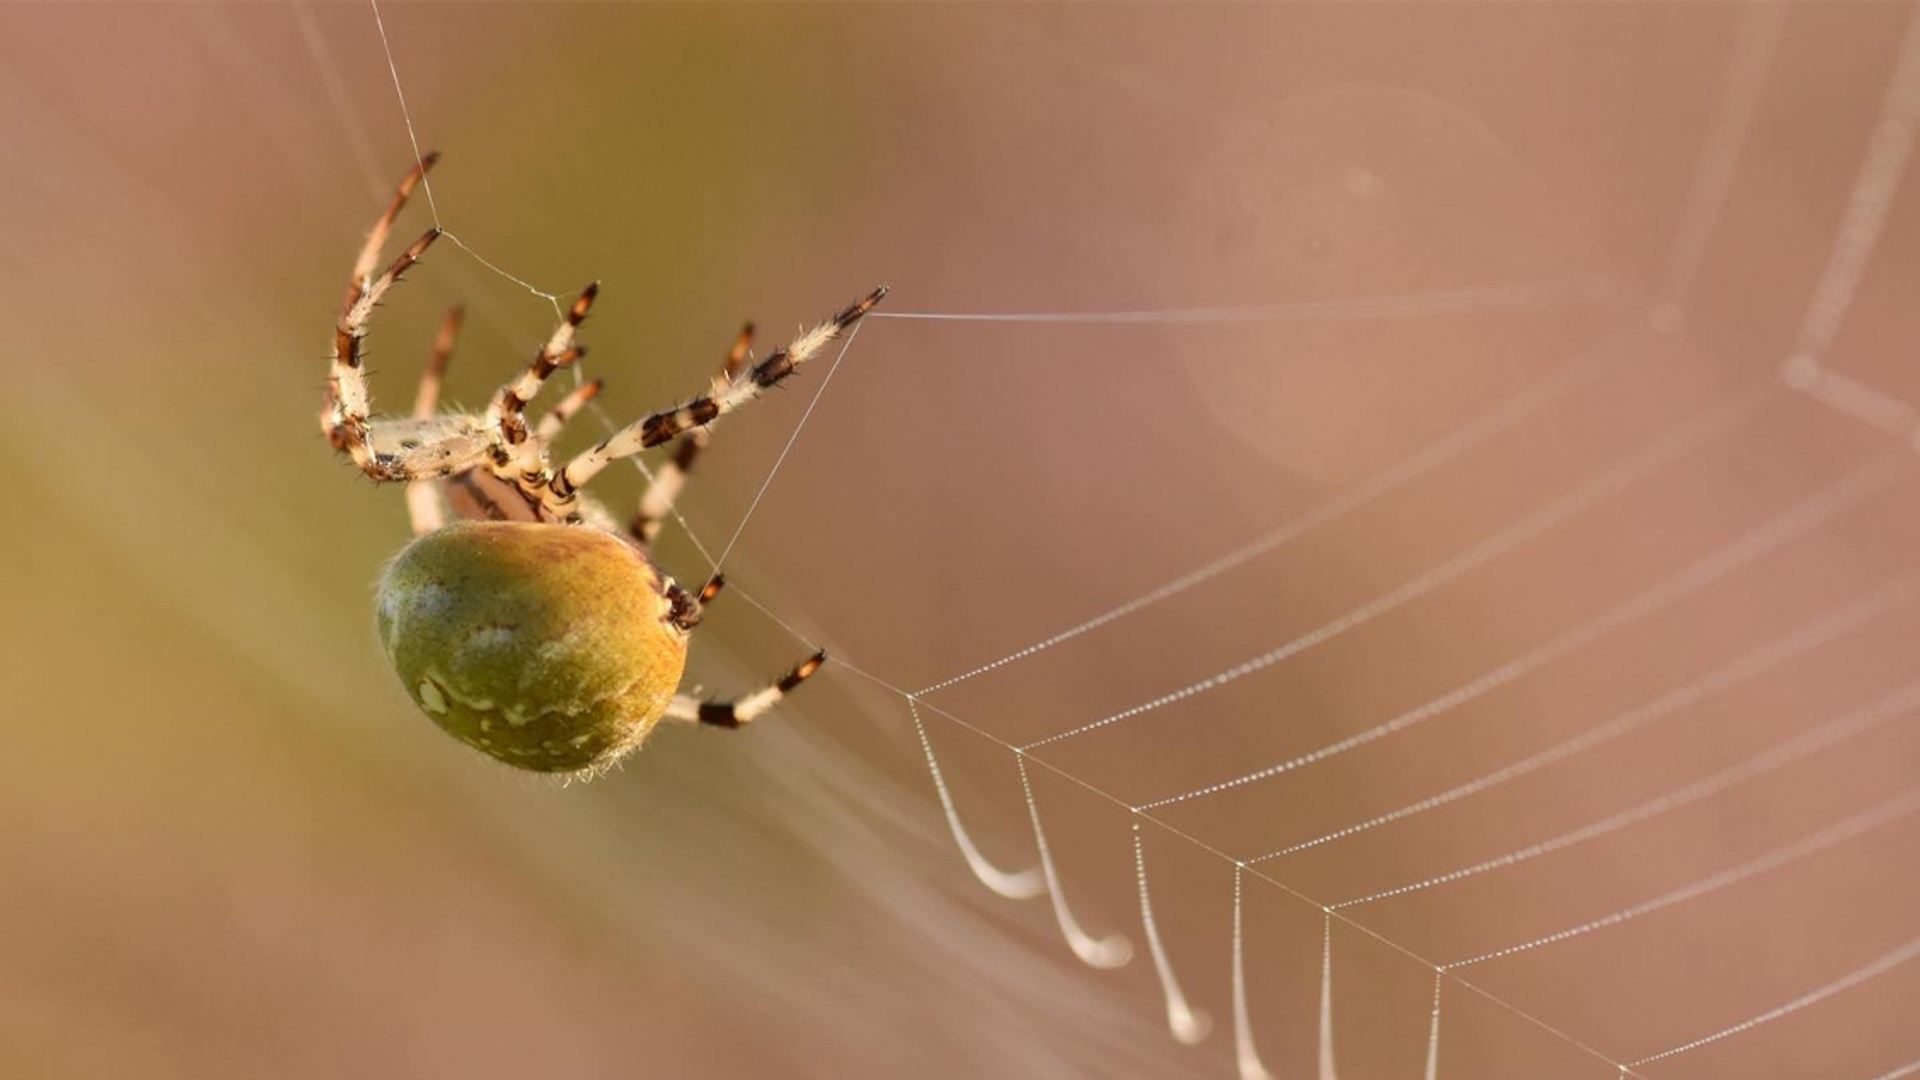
x,y
549,647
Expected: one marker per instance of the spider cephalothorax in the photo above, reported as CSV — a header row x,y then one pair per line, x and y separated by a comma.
x,y
523,619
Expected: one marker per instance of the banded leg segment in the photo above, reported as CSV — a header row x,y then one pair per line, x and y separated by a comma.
x,y
520,459
748,708
671,478
557,417
664,426
344,416
507,411
369,259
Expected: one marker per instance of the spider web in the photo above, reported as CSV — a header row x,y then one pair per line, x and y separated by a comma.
x,y
1760,400
1558,722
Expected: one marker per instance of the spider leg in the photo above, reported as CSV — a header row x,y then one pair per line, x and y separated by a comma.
x,y
507,411
369,259
671,478
426,505
427,399
714,586
687,609
557,417
747,708
344,416
595,515
426,509
664,426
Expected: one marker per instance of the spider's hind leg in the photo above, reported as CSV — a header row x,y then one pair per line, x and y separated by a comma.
x,y
746,708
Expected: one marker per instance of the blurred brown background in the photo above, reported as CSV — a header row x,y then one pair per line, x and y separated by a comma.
x,y
229,846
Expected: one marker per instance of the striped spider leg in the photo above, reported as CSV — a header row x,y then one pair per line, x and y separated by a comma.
x,y
748,707
723,398
670,479
479,495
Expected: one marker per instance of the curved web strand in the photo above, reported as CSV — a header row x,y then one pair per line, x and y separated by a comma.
x,y
1188,1024
1821,631
1888,149
1897,705
1872,969
1750,546
1109,952
1865,218
1326,1001
1022,885
1246,1056
1757,39
1433,1027
1502,1003
1852,398
1651,458
1885,813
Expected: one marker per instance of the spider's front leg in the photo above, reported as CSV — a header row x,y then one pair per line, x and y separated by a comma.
x,y
345,415
664,426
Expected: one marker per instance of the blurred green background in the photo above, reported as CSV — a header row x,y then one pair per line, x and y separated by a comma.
x,y
229,847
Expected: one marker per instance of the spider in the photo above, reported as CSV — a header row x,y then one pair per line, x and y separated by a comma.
x,y
522,618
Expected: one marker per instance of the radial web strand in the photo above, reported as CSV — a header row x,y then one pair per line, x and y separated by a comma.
x,y
1877,967
1895,706
1819,632
1885,813
1758,542
1671,448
